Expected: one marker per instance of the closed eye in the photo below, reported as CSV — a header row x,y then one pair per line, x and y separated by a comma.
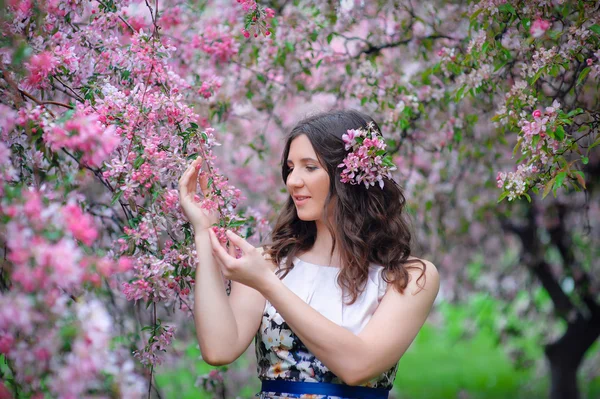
x,y
310,168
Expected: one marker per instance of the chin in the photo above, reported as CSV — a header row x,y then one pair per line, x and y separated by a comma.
x,y
305,218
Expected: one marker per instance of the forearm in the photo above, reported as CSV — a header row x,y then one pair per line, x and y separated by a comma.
x,y
216,327
339,349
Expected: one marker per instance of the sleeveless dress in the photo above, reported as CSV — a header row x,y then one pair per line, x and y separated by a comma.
x,y
279,352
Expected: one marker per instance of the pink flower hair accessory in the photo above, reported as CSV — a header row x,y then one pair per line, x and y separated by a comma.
x,y
367,161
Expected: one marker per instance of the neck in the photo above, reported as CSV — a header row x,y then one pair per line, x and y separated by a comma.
x,y
324,243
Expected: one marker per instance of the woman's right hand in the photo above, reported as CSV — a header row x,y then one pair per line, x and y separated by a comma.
x,y
200,218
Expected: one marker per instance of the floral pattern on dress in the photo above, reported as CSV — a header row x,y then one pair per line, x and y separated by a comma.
x,y
280,354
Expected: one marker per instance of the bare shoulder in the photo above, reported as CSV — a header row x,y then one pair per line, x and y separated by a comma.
x,y
419,281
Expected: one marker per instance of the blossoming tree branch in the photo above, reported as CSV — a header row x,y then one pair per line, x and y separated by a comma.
x,y
486,109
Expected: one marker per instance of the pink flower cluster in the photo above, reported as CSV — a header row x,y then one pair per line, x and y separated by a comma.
x,y
257,20
41,263
211,382
516,183
535,138
82,132
209,87
365,163
39,67
159,340
47,271
539,27
247,5
217,42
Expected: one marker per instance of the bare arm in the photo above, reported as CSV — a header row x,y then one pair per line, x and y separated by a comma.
x,y
224,324
356,359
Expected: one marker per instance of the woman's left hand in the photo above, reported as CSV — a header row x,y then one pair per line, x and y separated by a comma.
x,y
253,269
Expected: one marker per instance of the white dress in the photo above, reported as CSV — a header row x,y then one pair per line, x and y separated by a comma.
x,y
280,353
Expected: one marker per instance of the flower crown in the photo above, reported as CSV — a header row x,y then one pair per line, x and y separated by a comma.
x,y
366,162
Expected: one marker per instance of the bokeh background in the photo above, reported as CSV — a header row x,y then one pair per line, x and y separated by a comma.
x,y
489,108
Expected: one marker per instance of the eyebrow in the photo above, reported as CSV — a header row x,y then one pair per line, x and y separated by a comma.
x,y
303,160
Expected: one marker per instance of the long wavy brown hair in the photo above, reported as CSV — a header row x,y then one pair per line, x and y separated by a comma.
x,y
369,224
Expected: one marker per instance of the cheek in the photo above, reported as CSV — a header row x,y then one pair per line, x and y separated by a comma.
x,y
321,185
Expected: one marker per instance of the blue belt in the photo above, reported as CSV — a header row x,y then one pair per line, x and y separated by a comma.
x,y
323,388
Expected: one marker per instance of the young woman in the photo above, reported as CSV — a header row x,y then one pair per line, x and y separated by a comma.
x,y
335,299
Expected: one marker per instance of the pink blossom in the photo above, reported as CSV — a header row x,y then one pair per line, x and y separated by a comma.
x,y
539,27
269,12
79,224
6,342
248,5
39,67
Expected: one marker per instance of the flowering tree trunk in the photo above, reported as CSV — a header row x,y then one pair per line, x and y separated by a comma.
x,y
580,310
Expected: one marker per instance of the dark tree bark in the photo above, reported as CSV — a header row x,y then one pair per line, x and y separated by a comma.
x,y
583,317
565,356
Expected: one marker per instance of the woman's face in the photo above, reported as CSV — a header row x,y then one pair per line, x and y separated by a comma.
x,y
307,178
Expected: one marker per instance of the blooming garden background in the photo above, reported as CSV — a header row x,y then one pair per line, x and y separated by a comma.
x,y
490,110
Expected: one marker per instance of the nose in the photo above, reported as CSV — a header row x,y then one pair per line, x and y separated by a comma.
x,y
293,180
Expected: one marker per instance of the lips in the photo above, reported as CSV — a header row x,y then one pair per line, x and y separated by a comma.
x,y
301,200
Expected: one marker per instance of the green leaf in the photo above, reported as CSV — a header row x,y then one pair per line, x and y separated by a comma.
x,y
499,65
261,77
548,187
319,63
585,160
580,178
21,53
475,14
517,146
504,195
554,34
289,46
527,196
116,197
560,132
538,74
329,37
595,28
459,93
507,8
583,74
138,162
237,223
560,177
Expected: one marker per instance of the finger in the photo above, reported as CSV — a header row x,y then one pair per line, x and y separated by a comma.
x,y
231,249
239,241
204,184
185,177
218,250
192,179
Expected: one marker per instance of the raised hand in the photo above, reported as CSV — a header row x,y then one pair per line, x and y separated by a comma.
x,y
200,218
253,268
